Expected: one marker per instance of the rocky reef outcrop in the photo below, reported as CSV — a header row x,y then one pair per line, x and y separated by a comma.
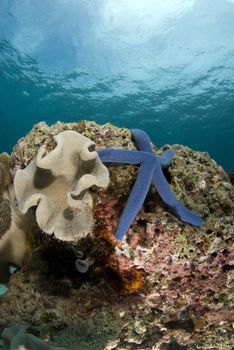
x,y
166,286
5,180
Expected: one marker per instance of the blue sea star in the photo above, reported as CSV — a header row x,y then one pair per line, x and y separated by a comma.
x,y
150,171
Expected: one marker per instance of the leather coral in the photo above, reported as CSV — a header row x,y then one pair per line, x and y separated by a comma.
x,y
58,183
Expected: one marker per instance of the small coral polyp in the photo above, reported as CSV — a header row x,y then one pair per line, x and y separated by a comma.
x,y
58,184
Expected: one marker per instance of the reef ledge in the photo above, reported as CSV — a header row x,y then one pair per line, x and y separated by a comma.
x,y
166,286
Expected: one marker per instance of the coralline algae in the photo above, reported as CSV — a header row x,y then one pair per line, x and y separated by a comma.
x,y
167,285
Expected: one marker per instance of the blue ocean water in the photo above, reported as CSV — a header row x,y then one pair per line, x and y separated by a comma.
x,y
164,66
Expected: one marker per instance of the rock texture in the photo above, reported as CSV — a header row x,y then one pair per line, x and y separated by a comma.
x,y
5,180
166,286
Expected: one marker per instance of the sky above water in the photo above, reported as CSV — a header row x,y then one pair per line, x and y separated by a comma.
x,y
164,66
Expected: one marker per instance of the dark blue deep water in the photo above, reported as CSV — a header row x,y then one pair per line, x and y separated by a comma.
x,y
166,66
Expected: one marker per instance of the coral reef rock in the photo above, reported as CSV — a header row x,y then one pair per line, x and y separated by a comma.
x,y
5,180
167,285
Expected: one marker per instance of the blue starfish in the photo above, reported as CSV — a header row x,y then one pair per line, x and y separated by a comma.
x,y
150,171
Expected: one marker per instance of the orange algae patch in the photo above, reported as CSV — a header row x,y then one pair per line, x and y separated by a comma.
x,y
104,246
220,169
132,278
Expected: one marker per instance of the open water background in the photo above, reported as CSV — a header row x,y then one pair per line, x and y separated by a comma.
x,y
164,66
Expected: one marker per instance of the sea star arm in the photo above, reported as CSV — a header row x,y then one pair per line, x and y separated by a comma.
x,y
143,144
141,186
172,202
136,197
166,158
142,140
160,182
115,155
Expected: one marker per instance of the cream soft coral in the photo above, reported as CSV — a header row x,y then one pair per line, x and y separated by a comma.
x,y
58,184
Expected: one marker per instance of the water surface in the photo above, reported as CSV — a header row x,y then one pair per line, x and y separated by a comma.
x,y
164,66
